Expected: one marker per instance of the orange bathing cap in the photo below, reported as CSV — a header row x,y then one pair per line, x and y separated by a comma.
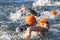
x,y
42,22
54,12
30,20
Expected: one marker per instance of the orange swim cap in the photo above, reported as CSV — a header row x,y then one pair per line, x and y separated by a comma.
x,y
54,12
42,22
30,20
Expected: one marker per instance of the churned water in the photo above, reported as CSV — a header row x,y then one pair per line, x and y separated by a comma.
x,y
10,18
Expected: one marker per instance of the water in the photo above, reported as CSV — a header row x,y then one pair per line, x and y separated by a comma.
x,y
10,18
47,3
17,1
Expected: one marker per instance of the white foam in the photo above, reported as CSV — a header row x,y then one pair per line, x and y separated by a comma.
x,y
15,16
46,3
5,36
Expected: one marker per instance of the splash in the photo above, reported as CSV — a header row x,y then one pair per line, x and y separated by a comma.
x,y
46,3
